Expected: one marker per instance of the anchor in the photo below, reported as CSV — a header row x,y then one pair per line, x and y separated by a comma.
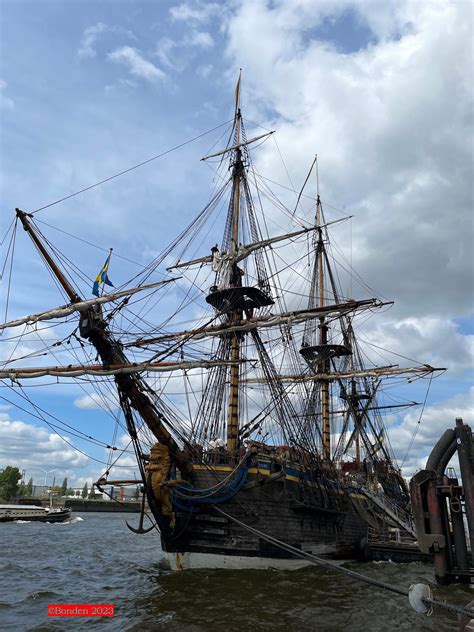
x,y
140,529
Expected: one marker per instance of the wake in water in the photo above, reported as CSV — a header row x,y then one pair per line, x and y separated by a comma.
x,y
70,521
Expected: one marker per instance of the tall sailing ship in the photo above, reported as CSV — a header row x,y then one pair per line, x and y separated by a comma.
x,y
277,434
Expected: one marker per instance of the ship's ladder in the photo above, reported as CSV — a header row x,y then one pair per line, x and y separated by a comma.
x,y
398,516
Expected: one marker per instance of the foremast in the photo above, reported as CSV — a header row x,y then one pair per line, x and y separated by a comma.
x,y
132,389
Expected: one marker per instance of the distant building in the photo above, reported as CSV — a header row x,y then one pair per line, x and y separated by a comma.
x,y
118,493
124,493
40,491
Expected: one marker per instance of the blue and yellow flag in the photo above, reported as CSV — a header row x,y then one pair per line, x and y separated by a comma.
x,y
102,277
378,442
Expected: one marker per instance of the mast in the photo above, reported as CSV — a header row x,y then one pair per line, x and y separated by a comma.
x,y
231,297
323,366
131,388
236,315
357,422
67,287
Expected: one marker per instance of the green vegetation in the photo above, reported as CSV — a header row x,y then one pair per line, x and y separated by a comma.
x,y
9,482
85,491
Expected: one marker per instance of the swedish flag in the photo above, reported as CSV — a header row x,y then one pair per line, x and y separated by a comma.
x,y
102,277
378,442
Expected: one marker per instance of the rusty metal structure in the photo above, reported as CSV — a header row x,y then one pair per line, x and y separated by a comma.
x,y
443,506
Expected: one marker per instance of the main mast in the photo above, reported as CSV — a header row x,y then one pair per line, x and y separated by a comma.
x,y
236,316
323,366
232,298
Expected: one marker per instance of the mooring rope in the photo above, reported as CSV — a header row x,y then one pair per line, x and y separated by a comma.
x,y
460,610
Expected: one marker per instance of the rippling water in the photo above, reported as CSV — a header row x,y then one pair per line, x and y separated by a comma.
x,y
97,560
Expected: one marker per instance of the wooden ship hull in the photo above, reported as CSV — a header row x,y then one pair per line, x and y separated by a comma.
x,y
316,515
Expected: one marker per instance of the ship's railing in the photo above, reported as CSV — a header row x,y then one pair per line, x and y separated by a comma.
x,y
222,456
399,515
398,511
389,536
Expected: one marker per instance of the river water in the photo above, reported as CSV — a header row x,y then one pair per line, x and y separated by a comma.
x,y
96,559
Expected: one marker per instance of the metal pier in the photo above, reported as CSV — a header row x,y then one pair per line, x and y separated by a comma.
x,y
443,506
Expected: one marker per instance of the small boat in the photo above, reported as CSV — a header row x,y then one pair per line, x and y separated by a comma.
x,y
10,513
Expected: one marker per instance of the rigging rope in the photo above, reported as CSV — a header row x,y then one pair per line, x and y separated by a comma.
x,y
12,246
417,427
344,571
121,173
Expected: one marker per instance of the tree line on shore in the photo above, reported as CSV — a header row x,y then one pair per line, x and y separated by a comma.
x,y
10,486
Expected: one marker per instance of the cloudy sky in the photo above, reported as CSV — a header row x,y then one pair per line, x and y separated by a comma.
x,y
381,91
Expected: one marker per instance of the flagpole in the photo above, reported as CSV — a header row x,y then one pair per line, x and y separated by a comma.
x,y
109,257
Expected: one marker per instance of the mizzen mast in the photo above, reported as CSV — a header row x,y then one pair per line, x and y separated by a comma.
x,y
316,348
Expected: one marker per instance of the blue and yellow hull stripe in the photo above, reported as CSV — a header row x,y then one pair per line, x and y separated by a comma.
x,y
291,474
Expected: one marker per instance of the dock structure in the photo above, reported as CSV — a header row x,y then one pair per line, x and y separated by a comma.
x,y
443,506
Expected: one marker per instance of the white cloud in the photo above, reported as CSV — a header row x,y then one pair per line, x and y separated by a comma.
x,y
91,35
5,102
98,401
392,142
36,449
205,70
195,12
164,52
200,39
414,337
137,64
177,53
434,421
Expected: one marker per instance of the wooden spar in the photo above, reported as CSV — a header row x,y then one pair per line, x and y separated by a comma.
x,y
246,249
93,327
238,145
233,412
324,365
73,295
374,372
66,310
102,370
285,318
236,315
357,419
357,443
389,407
